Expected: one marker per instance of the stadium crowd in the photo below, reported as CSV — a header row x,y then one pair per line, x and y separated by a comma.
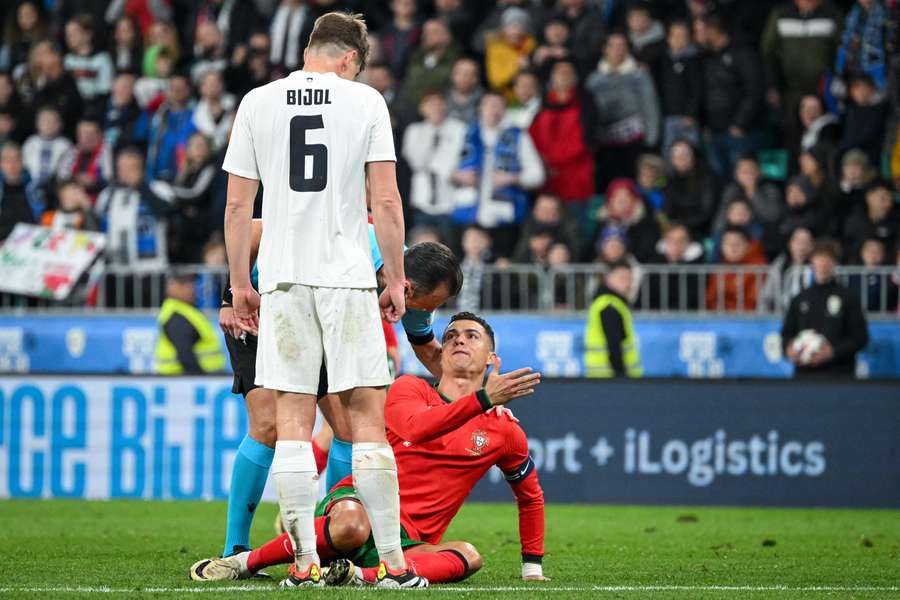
x,y
658,132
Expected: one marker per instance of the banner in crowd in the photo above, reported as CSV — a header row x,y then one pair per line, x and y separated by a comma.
x,y
704,348
652,442
37,261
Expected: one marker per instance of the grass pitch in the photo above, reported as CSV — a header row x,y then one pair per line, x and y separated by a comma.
x,y
114,549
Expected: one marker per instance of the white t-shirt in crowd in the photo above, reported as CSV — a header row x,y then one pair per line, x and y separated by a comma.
x,y
307,138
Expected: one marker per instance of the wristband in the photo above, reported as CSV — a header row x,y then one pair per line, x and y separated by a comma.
x,y
483,399
532,570
227,298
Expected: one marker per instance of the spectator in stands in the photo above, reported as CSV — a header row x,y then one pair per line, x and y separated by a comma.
x,y
880,219
735,291
423,233
431,190
763,197
75,209
548,215
799,46
209,53
214,114
465,91
876,290
191,198
92,69
690,193
627,110
611,247
208,287
54,86
561,133
849,194
626,209
611,345
814,164
646,36
124,123
819,128
651,179
161,38
400,36
865,119
534,245
22,30
43,151
150,91
188,344
790,272
133,216
804,209
89,160
146,13
507,50
476,247
554,46
234,19
170,129
831,310
680,87
250,66
431,63
499,165
10,108
862,48
732,98
739,213
587,26
680,290
526,91
18,201
127,47
457,18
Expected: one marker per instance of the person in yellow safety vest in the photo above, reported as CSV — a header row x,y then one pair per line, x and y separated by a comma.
x,y
188,344
611,346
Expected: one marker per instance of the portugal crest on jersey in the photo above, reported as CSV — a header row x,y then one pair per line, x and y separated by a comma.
x,y
480,441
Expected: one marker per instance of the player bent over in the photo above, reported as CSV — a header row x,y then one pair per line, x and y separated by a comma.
x,y
444,443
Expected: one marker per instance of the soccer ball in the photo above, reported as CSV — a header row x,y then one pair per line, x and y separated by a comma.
x,y
806,344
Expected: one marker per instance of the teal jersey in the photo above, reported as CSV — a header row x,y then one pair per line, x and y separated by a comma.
x,y
416,323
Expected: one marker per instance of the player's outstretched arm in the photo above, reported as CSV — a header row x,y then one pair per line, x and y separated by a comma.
x,y
430,355
238,241
503,388
387,217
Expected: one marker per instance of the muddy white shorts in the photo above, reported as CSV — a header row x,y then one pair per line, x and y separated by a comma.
x,y
302,326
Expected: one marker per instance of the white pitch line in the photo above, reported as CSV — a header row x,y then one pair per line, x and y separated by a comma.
x,y
469,589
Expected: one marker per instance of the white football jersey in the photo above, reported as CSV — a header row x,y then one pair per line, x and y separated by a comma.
x,y
307,138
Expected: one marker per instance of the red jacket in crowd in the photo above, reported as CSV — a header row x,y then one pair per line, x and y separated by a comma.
x,y
558,133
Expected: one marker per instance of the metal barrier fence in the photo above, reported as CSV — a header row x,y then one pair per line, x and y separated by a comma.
x,y
658,289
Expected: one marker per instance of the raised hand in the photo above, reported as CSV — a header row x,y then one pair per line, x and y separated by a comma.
x,y
509,386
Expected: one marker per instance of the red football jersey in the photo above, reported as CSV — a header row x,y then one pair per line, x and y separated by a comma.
x,y
444,447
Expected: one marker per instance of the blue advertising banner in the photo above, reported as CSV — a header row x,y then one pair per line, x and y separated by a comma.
x,y
710,347
650,442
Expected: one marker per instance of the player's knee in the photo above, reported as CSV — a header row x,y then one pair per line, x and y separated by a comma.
x,y
263,431
472,556
348,531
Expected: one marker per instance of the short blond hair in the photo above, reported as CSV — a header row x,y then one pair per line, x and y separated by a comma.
x,y
345,30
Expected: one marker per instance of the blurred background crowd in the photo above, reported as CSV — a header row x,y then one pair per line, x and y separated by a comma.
x,y
656,132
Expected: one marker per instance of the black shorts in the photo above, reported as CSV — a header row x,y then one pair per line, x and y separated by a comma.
x,y
243,363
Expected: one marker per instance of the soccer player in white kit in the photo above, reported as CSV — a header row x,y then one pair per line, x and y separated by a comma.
x,y
312,139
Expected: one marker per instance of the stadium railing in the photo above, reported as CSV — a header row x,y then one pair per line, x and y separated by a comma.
x,y
660,290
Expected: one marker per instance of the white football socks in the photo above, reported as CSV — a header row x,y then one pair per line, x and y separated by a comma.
x,y
375,478
297,480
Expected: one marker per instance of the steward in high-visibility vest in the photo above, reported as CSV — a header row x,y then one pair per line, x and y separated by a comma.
x,y
611,346
187,343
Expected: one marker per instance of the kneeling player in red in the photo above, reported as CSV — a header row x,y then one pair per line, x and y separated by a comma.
x,y
444,443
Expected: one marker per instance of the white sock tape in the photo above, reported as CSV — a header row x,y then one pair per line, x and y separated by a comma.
x,y
532,570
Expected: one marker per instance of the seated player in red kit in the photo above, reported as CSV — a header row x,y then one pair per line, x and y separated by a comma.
x,y
444,443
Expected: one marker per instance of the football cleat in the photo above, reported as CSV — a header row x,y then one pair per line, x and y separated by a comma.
x,y
221,569
406,579
312,577
344,572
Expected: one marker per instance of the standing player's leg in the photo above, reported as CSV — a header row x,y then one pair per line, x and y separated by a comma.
x,y
289,361
356,357
250,470
340,453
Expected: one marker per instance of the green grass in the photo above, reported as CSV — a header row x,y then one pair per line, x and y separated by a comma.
x,y
137,546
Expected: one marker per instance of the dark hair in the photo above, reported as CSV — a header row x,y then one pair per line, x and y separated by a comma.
x,y
828,247
878,184
717,22
429,264
738,229
345,30
467,316
617,264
